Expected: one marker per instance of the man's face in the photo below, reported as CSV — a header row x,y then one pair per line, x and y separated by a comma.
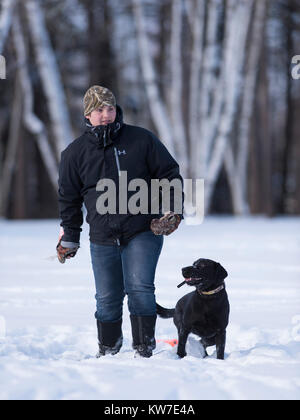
x,y
103,115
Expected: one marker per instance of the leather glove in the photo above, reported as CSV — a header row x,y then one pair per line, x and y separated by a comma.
x,y
166,224
64,253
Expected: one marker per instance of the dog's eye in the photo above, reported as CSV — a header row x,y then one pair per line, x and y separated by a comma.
x,y
198,265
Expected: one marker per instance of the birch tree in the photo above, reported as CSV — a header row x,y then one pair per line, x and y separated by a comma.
x,y
200,143
157,106
235,53
237,167
50,76
6,14
33,124
176,111
213,95
22,113
11,150
196,16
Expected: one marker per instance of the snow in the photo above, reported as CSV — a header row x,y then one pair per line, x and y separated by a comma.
x,y
48,331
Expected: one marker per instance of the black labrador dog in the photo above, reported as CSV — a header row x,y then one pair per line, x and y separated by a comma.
x,y
204,312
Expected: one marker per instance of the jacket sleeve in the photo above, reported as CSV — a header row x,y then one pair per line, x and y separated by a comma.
x,y
163,166
70,198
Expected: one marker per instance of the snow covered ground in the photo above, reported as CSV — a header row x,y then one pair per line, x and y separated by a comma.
x,y
48,332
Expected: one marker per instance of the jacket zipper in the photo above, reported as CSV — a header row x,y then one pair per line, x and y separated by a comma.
x,y
119,173
117,161
104,137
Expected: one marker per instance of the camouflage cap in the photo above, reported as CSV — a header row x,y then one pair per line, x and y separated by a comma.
x,y
97,96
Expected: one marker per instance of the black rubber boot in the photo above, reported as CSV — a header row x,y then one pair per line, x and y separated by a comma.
x,y
110,337
143,331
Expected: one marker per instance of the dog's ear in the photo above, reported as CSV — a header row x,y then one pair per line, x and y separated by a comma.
x,y
221,273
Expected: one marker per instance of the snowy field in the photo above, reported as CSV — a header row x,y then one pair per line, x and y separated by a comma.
x,y
48,332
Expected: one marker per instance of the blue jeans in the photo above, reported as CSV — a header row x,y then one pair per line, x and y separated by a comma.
x,y
128,269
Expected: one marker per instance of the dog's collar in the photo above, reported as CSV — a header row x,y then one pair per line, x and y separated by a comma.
x,y
211,292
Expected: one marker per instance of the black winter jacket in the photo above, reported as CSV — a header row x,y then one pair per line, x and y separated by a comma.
x,y
102,152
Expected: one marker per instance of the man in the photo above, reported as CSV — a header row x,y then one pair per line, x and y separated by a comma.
x,y
124,249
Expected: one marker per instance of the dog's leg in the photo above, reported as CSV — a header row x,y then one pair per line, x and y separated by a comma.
x,y
220,344
182,339
203,349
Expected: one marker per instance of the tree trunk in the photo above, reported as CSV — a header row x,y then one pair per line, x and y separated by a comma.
x,y
9,165
197,28
157,107
286,155
31,122
100,54
238,177
176,111
235,55
5,20
50,76
208,82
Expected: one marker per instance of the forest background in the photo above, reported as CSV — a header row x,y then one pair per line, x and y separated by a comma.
x,y
217,80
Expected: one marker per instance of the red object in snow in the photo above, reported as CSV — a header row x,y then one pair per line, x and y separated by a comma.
x,y
172,342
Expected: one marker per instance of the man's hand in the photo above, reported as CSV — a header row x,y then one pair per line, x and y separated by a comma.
x,y
64,253
166,224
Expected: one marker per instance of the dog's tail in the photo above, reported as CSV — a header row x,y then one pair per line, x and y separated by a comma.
x,y
164,312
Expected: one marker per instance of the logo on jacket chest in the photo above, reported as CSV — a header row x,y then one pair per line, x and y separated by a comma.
x,y
121,152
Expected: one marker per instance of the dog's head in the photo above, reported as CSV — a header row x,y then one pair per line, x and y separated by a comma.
x,y
204,274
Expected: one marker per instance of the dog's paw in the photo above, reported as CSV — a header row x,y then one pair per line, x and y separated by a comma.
x,y
181,354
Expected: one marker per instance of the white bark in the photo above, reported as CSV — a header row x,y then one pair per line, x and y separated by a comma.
x,y
234,62
190,11
207,86
209,57
210,125
157,107
6,14
176,111
197,27
50,76
239,192
213,97
33,124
